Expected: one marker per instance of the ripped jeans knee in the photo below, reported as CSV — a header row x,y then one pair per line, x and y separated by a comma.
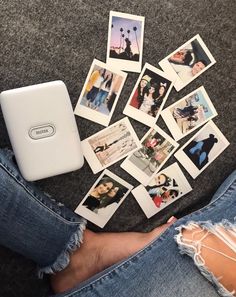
x,y
213,249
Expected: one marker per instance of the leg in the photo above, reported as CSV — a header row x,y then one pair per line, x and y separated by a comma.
x,y
98,98
50,234
159,269
32,224
213,254
99,251
104,96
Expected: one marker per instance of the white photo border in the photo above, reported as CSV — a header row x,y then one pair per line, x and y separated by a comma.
x,y
125,65
139,115
93,217
137,173
144,200
166,66
171,123
91,157
187,163
93,115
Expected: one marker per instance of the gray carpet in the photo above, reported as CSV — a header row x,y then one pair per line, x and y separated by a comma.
x,y
45,40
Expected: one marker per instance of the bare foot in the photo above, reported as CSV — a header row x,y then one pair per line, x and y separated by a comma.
x,y
99,251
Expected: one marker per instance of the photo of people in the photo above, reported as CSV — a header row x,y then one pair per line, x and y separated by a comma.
x,y
125,40
106,192
198,150
164,188
110,145
188,61
103,198
156,148
202,149
100,93
148,96
189,113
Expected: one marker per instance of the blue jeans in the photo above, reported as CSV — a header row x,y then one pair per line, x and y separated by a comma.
x,y
100,98
40,229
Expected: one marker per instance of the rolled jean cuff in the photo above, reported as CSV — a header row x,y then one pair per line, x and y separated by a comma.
x,y
63,259
34,225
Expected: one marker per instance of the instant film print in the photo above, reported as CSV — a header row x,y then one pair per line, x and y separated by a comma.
x,y
202,149
188,62
125,41
165,188
104,198
110,145
189,113
148,96
145,162
100,93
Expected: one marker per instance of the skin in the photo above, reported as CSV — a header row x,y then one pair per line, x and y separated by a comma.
x,y
223,267
112,192
179,56
197,67
151,90
162,91
102,189
108,75
143,83
160,179
99,251
100,71
150,93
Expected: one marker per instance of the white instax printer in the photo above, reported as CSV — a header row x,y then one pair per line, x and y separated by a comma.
x,y
42,130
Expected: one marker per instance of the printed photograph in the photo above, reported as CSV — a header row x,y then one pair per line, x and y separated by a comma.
x,y
125,39
164,189
103,198
100,93
149,95
189,113
189,61
110,145
156,149
202,149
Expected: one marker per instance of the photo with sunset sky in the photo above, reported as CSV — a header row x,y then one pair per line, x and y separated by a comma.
x,y
125,39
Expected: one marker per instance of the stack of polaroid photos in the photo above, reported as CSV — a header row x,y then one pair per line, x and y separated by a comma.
x,y
146,157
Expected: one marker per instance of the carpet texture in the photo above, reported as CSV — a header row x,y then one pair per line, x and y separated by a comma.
x,y
45,40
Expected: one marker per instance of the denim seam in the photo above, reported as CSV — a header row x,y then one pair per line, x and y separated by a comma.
x,y
209,205
32,195
137,256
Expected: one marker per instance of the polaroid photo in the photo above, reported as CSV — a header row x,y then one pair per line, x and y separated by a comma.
x,y
145,162
188,62
104,198
165,188
110,145
202,149
100,93
189,113
148,96
125,41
